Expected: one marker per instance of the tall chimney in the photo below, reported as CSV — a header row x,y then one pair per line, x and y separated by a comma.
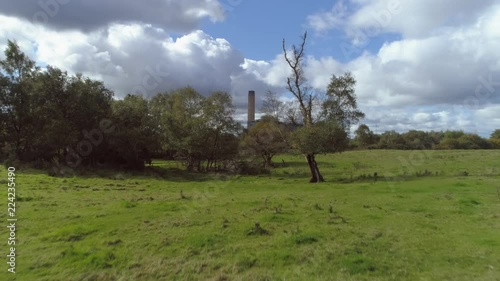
x,y
251,108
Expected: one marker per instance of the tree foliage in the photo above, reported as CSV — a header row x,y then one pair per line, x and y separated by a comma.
x,y
45,114
130,140
200,130
321,137
341,104
495,139
17,99
265,139
365,137
336,110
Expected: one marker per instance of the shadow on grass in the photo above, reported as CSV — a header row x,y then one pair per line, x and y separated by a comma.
x,y
179,175
299,164
296,170
158,172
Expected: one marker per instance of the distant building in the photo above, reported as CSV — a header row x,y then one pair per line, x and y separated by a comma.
x,y
251,109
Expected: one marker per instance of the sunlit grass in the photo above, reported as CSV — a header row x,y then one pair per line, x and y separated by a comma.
x,y
402,224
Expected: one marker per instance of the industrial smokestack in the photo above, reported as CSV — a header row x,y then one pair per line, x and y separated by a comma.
x,y
251,109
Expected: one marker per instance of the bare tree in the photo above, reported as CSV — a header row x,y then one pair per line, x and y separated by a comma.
x,y
272,105
325,117
304,95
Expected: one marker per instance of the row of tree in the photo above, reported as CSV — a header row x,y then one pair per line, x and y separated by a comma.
x,y
367,139
52,118
48,116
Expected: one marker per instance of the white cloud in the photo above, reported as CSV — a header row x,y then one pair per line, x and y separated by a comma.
x,y
142,59
423,82
410,18
447,52
327,20
132,57
444,68
427,79
273,73
169,15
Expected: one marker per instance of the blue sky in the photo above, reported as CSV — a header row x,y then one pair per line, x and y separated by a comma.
x,y
419,64
257,28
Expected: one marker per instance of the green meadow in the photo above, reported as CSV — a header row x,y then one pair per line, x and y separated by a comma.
x,y
381,215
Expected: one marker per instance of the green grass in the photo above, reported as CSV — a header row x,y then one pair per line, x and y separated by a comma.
x,y
404,224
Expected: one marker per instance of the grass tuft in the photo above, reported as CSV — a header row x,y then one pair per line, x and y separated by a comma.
x,y
128,204
306,238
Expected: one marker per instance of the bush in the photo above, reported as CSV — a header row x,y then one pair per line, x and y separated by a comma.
x,y
251,168
494,143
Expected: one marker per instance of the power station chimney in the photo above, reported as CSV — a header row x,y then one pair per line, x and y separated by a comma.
x,y
251,109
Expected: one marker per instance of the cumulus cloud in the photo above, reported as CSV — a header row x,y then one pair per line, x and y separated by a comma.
x,y
410,18
443,73
449,79
416,18
88,15
132,58
327,20
446,68
143,59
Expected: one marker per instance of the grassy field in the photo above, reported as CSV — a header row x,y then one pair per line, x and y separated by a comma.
x,y
426,215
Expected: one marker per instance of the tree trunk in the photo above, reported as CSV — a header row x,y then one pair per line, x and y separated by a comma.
x,y
199,165
313,166
268,161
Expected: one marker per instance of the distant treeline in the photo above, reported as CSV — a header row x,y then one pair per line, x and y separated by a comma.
x,y
366,139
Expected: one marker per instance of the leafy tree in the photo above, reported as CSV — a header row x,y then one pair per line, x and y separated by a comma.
x,y
185,126
450,140
158,106
266,139
130,138
391,140
89,104
337,108
200,130
472,141
364,136
17,72
495,139
341,105
418,140
453,134
55,106
495,134
221,142
461,140
93,100
47,113
448,143
435,137
321,137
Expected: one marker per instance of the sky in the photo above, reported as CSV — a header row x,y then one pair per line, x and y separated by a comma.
x,y
419,64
